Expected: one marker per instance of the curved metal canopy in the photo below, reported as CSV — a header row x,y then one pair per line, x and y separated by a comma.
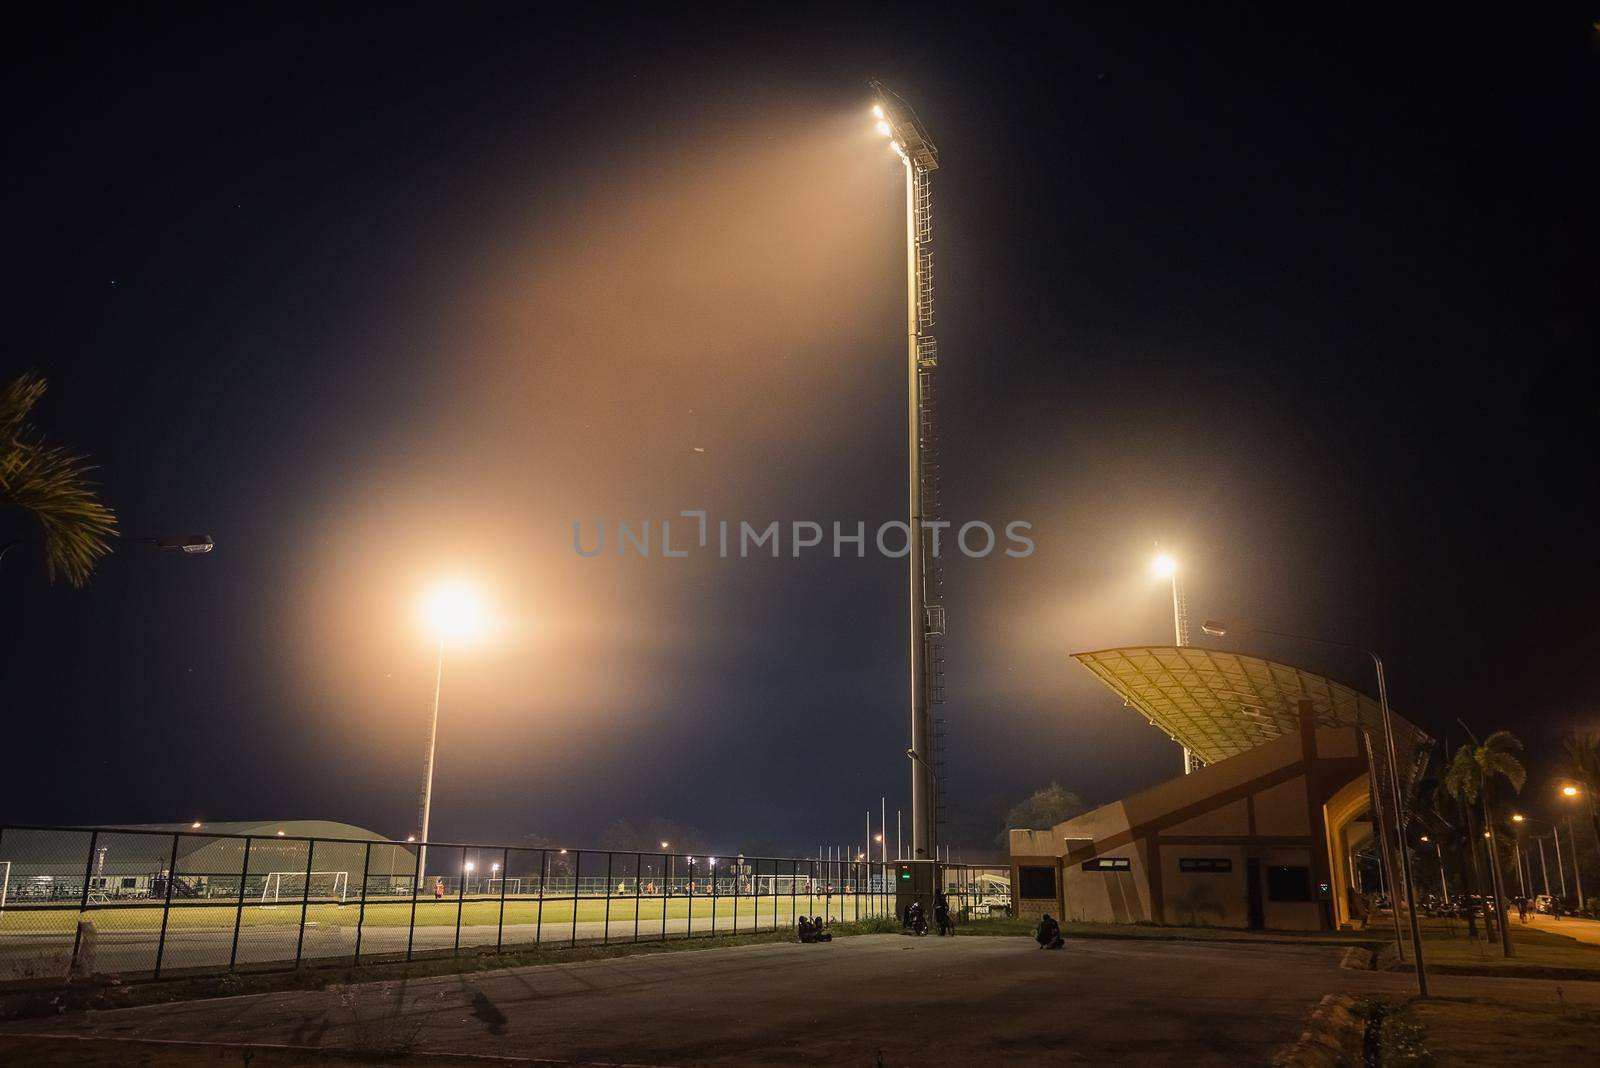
x,y
1220,704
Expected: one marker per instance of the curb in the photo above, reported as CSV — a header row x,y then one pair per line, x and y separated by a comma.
x,y
1333,1037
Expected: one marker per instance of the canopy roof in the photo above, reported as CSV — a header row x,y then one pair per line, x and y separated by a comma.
x,y
1219,704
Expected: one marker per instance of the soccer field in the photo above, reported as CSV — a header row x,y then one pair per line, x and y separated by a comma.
x,y
37,942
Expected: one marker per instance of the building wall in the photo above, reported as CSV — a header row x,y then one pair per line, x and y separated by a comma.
x,y
1264,805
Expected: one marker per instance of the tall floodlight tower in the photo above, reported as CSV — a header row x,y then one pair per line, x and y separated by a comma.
x,y
920,158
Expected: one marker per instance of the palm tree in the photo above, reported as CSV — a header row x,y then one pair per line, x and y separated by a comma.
x,y
1583,764
1474,774
1446,822
50,482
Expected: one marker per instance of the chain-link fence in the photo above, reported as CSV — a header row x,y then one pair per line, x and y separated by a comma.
x,y
79,901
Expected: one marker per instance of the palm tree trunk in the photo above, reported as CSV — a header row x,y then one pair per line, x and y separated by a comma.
x,y
1499,880
1477,871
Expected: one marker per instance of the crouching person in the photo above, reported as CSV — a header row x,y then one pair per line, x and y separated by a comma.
x,y
1049,933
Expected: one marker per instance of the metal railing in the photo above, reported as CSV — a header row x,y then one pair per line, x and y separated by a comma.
x,y
140,902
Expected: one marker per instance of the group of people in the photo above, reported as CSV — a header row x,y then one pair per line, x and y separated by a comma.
x,y
811,930
917,923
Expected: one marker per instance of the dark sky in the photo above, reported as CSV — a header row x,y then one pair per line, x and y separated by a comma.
x,y
374,296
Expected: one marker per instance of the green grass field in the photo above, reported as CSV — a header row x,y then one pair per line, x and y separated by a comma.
x,y
551,916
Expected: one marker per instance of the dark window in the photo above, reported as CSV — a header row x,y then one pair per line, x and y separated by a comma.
x,y
1288,884
1204,864
1108,864
1036,883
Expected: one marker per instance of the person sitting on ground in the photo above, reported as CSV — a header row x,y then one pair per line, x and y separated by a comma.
x,y
1049,933
820,935
807,932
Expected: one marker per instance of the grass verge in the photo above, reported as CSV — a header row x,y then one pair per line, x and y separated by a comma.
x,y
1483,1031
1540,954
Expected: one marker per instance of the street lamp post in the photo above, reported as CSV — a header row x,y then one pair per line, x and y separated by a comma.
x,y
452,612
1218,628
1165,566
1569,792
1444,884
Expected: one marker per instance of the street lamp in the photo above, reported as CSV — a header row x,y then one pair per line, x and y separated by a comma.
x,y
189,543
1544,867
1570,793
451,612
1444,885
1218,628
1165,566
895,120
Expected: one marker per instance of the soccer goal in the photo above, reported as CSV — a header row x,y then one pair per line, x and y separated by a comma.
x,y
291,886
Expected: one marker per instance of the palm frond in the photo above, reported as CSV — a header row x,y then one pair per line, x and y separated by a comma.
x,y
52,483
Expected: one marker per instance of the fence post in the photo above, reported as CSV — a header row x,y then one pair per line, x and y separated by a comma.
x,y
305,900
83,902
638,882
416,885
238,910
544,867
461,897
166,908
577,867
505,871
688,930
361,916
605,936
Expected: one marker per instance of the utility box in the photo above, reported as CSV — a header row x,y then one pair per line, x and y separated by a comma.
x,y
915,880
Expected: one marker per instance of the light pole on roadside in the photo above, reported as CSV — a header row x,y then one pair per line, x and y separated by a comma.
x,y
1444,884
1219,628
1569,792
452,612
1165,566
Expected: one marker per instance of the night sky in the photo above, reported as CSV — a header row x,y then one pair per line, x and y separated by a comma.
x,y
375,296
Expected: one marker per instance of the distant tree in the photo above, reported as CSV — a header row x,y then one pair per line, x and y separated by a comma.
x,y
51,483
1583,763
1474,774
621,837
1040,811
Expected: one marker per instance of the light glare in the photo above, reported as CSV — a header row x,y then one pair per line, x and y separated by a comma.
x,y
883,128
1165,565
454,611
877,111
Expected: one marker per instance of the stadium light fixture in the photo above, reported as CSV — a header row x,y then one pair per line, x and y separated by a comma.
x,y
195,825
1516,817
666,845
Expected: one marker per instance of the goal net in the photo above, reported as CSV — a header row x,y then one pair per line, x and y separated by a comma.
x,y
291,886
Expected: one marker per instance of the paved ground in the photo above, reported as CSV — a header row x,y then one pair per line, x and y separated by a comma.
x,y
969,1001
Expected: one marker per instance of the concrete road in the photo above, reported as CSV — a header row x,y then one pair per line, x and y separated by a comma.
x,y
1571,926
961,1001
